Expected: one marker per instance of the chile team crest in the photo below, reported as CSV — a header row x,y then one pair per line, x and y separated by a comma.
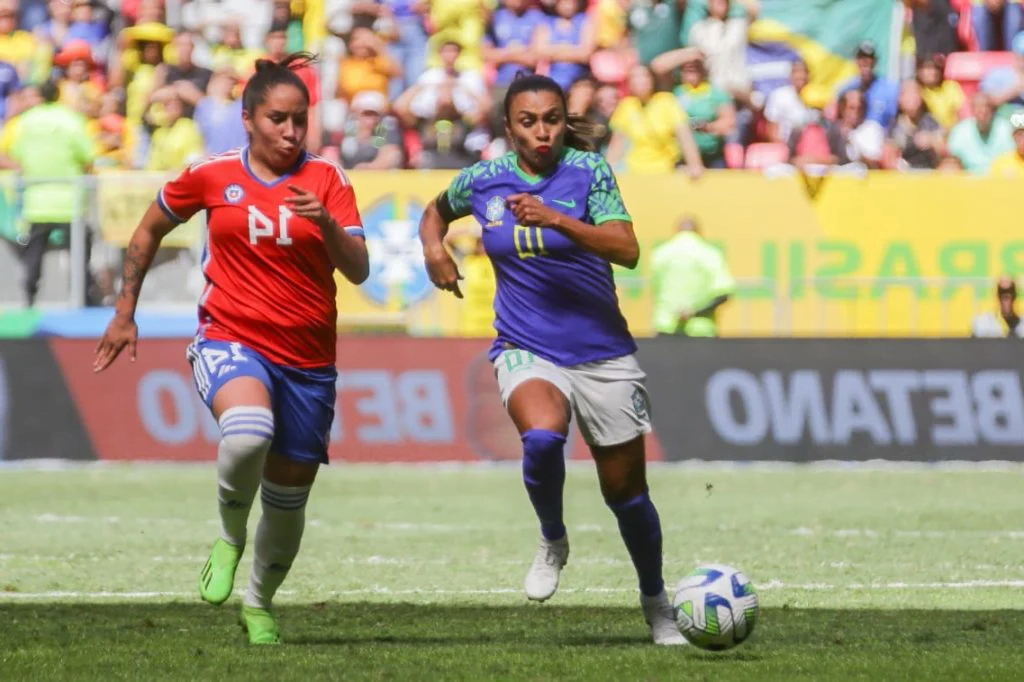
x,y
233,193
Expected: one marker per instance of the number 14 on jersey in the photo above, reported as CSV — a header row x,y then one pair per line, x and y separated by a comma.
x,y
260,225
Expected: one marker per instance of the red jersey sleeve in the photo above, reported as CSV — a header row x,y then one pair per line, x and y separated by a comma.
x,y
182,197
340,203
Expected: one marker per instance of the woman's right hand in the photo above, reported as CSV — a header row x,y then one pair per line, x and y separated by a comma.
x,y
121,332
441,268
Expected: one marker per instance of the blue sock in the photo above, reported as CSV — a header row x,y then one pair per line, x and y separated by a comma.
x,y
641,531
544,477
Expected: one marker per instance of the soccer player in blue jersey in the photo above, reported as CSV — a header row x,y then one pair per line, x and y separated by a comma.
x,y
553,222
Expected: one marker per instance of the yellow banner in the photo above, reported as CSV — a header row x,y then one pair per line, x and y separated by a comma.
x,y
122,199
883,255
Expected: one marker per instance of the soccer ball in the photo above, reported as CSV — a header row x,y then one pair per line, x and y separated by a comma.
x,y
716,607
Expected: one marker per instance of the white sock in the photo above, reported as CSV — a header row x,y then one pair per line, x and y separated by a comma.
x,y
278,536
246,433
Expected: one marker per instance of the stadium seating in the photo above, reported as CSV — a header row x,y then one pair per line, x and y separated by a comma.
x,y
968,68
734,155
608,66
761,155
413,146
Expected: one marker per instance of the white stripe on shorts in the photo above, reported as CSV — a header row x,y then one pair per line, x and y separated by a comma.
x,y
199,374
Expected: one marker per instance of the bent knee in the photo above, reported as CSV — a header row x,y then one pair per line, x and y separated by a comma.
x,y
247,429
620,492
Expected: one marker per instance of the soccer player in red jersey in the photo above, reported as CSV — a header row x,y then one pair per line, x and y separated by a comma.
x,y
280,222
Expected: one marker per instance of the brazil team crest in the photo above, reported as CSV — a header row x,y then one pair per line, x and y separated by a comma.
x,y
397,274
233,193
640,404
495,210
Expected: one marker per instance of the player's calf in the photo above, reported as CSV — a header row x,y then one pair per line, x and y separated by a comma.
x,y
246,434
640,528
277,540
544,478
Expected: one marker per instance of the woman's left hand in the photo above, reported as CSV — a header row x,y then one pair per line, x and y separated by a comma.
x,y
528,210
306,205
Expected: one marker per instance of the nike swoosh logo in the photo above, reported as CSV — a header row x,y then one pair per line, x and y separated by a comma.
x,y
568,204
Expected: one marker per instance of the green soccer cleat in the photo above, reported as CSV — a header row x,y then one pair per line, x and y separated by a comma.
x,y
217,579
260,625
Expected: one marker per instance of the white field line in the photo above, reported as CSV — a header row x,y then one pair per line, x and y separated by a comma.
x,y
370,527
771,585
372,560
377,560
899,533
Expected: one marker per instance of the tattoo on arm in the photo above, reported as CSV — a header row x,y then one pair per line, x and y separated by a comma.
x,y
136,263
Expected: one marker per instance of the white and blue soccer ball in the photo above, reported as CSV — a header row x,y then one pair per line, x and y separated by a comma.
x,y
716,607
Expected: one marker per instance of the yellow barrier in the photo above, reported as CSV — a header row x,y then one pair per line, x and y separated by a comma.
x,y
861,257
871,255
123,197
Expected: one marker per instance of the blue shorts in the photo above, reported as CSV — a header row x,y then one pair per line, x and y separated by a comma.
x,y
302,400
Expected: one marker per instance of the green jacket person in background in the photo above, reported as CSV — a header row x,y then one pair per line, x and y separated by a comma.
x,y
690,281
49,141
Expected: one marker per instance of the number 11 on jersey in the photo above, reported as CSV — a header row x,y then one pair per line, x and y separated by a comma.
x,y
260,225
529,241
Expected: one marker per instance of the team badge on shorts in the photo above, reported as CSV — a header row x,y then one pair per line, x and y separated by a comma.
x,y
495,211
640,404
233,193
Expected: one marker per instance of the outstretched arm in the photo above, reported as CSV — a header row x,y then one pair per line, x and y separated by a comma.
x,y
122,331
449,206
142,247
441,267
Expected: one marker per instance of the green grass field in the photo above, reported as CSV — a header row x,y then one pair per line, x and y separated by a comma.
x,y
415,573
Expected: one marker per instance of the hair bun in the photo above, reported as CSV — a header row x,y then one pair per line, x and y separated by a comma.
x,y
264,64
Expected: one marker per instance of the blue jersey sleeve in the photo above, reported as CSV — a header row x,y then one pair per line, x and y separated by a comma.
x,y
604,202
460,192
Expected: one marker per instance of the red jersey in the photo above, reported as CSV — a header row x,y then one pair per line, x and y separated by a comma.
x,y
269,280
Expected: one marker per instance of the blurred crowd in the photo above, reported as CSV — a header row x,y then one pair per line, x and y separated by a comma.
x,y
420,83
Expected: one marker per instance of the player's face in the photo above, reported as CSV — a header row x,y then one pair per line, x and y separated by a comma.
x,y
536,127
278,125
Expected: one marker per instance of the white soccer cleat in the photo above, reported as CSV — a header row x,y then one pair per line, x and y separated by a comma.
x,y
660,615
542,578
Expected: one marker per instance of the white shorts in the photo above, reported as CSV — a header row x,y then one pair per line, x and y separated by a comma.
x,y
608,397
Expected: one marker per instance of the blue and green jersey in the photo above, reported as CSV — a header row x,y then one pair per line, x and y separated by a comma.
x,y
552,298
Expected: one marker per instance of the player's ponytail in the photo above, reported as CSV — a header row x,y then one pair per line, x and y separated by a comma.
x,y
270,74
580,133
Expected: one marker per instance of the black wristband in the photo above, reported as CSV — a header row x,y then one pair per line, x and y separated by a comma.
x,y
444,208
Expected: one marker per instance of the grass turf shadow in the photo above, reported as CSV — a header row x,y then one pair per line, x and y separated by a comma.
x,y
441,641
